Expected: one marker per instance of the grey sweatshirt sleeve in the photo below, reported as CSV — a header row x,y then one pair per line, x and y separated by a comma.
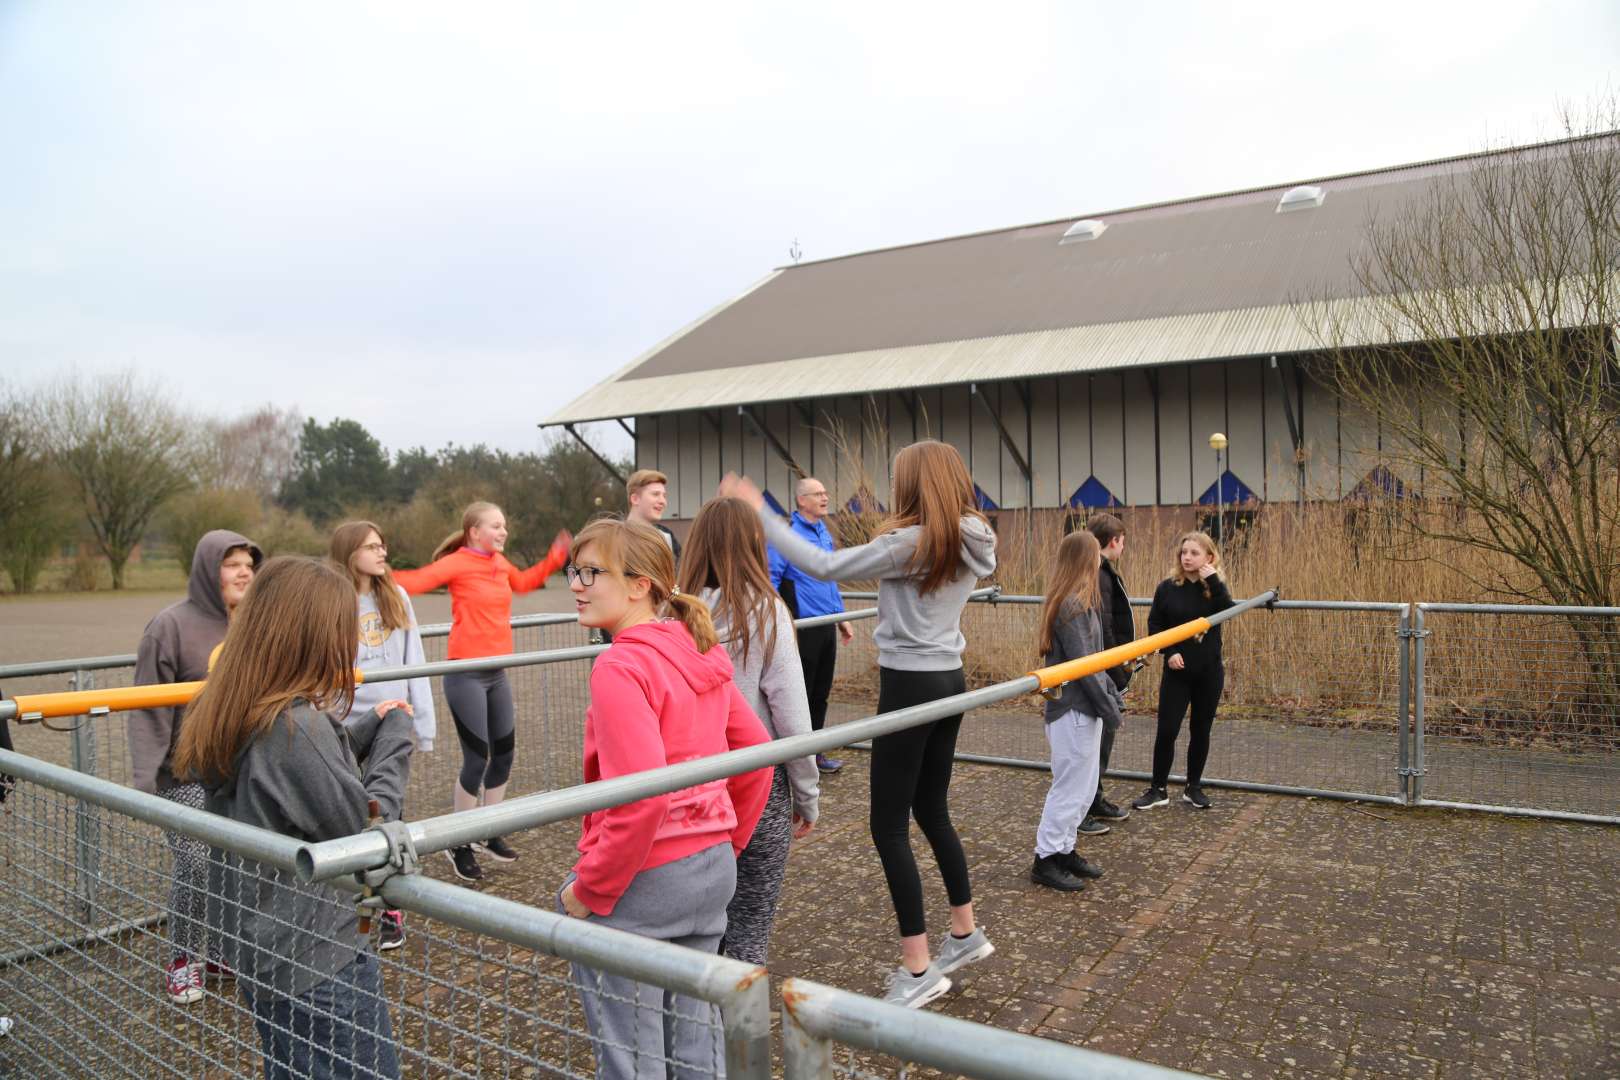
x,y
1082,636
383,744
312,787
151,731
782,683
419,692
884,557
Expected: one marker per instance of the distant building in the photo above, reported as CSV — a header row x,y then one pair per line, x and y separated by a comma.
x,y
1075,363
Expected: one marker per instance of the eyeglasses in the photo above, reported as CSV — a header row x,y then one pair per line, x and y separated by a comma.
x,y
585,575
375,549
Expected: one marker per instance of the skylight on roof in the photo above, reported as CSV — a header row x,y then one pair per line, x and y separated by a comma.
x,y
1304,197
1089,229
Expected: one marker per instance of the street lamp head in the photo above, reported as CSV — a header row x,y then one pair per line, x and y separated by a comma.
x,y
1217,441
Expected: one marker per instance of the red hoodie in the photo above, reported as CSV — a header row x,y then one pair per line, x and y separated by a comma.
x,y
655,701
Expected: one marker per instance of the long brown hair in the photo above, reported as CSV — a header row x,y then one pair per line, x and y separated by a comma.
x,y
293,636
632,549
347,539
932,489
469,519
1202,539
726,550
1073,576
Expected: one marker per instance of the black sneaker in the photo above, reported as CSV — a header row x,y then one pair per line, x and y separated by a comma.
x,y
1092,827
496,848
1080,868
1195,795
1153,796
391,933
1107,811
465,864
1051,872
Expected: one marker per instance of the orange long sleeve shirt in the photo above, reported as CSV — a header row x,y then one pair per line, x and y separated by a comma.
x,y
481,587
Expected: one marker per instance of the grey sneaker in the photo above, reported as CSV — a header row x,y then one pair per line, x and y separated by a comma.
x,y
956,952
915,991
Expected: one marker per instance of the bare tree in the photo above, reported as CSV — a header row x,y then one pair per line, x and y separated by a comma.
x,y
126,448
255,452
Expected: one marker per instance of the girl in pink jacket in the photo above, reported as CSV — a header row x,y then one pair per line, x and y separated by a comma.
x,y
663,867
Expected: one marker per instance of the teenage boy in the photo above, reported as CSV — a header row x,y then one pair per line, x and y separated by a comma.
x,y
648,490
1118,629
807,596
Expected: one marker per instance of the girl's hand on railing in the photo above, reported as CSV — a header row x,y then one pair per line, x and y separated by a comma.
x,y
386,707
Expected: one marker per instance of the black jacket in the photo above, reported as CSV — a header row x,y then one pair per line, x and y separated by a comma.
x,y
1175,604
1118,628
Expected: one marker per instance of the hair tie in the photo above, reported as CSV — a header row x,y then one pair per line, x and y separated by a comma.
x,y
674,593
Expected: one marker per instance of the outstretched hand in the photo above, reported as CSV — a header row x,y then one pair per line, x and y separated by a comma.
x,y
564,540
740,487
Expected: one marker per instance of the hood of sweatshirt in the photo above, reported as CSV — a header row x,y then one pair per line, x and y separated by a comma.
x,y
978,546
670,639
203,588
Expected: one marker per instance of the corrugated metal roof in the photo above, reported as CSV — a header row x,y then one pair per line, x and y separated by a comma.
x,y
1188,280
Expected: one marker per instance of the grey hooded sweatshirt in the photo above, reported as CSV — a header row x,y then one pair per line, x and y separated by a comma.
x,y
775,691
301,778
915,632
175,648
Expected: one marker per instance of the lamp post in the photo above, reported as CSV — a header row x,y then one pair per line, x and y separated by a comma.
x,y
1217,443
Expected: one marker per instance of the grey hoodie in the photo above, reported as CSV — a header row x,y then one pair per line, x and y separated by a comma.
x,y
395,648
775,692
175,648
300,778
1078,632
915,632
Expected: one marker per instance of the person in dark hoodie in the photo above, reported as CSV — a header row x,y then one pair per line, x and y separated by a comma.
x,y
1118,628
929,555
663,867
266,737
175,648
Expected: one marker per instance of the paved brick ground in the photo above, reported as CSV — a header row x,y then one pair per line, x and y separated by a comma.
x,y
1269,936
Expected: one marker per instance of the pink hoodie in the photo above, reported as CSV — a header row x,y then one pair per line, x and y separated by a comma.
x,y
655,701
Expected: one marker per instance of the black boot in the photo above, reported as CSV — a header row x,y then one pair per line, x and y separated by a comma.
x,y
1050,870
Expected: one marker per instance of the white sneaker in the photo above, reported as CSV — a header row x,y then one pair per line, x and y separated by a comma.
x,y
956,952
5,1026
915,991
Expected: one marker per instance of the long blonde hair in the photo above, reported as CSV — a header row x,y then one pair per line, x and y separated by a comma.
x,y
726,551
1073,576
631,550
933,490
470,518
1202,539
347,540
292,636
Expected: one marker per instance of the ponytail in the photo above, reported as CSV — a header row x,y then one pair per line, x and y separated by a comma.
x,y
694,614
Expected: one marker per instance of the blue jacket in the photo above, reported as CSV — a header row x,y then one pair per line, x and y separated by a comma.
x,y
814,596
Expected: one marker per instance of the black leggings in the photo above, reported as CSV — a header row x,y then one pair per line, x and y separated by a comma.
x,y
911,777
818,654
481,705
1179,689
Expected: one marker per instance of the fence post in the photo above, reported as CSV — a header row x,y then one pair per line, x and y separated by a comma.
x,y
1420,637
86,816
804,1056
1403,716
746,1018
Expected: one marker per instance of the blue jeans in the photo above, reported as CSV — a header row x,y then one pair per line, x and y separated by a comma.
x,y
338,1030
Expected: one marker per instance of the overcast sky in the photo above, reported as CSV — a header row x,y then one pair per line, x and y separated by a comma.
x,y
446,220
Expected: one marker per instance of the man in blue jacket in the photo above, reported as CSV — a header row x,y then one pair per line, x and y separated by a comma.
x,y
806,597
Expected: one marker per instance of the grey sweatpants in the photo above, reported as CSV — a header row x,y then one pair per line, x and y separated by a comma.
x,y
644,1032
1075,739
760,870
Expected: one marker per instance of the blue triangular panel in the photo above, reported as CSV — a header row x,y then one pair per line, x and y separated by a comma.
x,y
1380,483
1093,493
855,506
1232,490
770,501
985,502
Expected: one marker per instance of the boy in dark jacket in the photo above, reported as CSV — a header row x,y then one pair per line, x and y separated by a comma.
x,y
1118,629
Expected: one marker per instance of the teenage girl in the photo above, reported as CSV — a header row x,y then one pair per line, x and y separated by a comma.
x,y
927,558
1075,719
663,867
389,638
1193,672
481,583
725,567
262,738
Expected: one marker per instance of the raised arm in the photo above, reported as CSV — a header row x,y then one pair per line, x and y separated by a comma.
x,y
434,575
535,576
884,557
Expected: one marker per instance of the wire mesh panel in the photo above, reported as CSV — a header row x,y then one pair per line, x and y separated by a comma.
x,y
1522,709
1311,697
215,965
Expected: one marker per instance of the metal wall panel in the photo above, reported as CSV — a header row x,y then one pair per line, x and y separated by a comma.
x,y
985,460
1321,420
1246,426
1140,474
1074,434
1207,411
955,420
686,482
1282,474
1175,454
1108,432
1044,434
